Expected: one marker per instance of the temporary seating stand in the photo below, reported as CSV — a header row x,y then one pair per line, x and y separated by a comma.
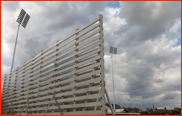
x,y
65,79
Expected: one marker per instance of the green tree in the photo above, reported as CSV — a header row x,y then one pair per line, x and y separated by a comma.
x,y
168,112
144,112
125,110
175,111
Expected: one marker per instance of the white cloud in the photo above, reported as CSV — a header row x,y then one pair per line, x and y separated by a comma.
x,y
176,26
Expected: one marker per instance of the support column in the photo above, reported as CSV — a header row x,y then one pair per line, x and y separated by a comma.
x,y
102,62
15,83
23,76
3,95
109,102
76,55
30,80
56,65
41,66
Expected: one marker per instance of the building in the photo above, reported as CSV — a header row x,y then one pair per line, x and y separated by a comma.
x,y
163,111
118,108
177,109
155,110
133,110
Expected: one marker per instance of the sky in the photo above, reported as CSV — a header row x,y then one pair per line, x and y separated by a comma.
x,y
147,35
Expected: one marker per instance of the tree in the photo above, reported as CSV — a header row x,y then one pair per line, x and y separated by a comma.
x,y
125,110
175,111
144,112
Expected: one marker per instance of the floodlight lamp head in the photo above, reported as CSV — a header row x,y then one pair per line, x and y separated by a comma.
x,y
23,18
113,50
25,21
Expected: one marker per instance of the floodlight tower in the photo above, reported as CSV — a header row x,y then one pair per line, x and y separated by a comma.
x,y
23,20
113,50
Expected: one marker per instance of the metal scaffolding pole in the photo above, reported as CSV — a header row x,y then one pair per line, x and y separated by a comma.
x,y
15,48
113,50
113,83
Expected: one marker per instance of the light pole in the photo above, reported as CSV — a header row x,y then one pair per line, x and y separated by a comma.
x,y
23,20
113,50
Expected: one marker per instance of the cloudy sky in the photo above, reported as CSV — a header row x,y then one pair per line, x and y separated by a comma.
x,y
147,67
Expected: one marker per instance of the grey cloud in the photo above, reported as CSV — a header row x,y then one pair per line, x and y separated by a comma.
x,y
10,5
159,80
139,82
170,95
151,23
94,7
62,16
6,59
